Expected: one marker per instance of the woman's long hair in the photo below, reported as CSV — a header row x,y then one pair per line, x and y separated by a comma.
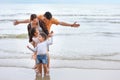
x,y
32,17
32,32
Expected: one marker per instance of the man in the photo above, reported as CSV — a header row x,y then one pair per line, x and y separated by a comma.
x,y
48,20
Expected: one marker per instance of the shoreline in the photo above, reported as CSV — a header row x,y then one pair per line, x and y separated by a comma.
x,y
12,73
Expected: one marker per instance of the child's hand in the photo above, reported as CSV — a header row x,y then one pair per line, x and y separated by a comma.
x,y
34,56
51,34
27,46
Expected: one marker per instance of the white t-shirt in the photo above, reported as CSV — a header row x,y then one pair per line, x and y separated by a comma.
x,y
42,47
36,40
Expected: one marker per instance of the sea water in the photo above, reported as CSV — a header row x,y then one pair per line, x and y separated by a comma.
x,y
93,45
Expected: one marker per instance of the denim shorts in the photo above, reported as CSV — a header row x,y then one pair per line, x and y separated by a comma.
x,y
42,59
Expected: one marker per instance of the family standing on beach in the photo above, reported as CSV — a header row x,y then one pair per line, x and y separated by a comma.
x,y
39,34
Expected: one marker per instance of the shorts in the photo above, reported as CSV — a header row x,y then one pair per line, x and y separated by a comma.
x,y
42,59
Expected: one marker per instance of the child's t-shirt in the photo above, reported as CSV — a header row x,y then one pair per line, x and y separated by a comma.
x,y
36,40
42,47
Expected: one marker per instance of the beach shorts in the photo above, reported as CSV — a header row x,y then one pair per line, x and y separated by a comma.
x,y
42,59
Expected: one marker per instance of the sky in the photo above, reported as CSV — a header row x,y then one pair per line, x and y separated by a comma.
x,y
64,1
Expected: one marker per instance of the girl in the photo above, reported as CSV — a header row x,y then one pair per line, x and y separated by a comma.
x,y
41,51
35,39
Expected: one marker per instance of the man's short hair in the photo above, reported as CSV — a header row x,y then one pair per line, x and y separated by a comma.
x,y
48,15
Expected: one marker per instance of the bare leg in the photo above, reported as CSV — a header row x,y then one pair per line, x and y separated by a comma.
x,y
34,57
37,68
45,69
48,65
40,68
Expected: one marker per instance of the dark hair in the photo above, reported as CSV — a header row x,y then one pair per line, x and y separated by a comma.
x,y
32,31
48,15
42,25
33,16
43,35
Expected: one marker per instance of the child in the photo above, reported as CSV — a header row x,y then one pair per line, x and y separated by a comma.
x,y
35,40
41,52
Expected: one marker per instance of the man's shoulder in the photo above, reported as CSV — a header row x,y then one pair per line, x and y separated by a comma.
x,y
54,21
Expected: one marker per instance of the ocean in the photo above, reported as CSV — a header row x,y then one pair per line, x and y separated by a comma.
x,y
94,45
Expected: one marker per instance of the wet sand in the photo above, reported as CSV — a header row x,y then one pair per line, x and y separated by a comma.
x,y
12,73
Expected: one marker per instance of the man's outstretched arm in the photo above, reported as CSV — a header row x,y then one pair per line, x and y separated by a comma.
x,y
16,22
68,24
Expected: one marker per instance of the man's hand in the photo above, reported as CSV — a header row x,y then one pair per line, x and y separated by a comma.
x,y
75,24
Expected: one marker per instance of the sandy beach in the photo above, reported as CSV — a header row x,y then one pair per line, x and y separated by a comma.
x,y
11,73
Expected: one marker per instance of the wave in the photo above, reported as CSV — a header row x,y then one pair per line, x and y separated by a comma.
x,y
101,57
63,14
89,64
109,18
10,54
24,36
89,15
85,20
23,60
14,15
108,34
13,36
85,58
59,67
97,68
6,20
